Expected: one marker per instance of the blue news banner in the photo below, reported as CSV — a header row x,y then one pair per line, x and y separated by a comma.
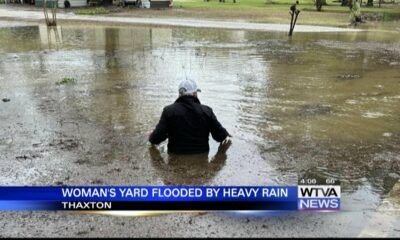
x,y
171,198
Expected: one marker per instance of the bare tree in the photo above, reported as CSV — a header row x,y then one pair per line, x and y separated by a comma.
x,y
53,20
318,4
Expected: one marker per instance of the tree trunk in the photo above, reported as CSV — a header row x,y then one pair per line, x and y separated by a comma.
x,y
370,3
318,4
53,20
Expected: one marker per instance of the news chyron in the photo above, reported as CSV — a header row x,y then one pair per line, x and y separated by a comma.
x,y
318,194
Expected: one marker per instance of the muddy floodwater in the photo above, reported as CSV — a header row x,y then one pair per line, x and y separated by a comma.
x,y
318,105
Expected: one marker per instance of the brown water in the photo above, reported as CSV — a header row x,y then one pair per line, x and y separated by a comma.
x,y
319,104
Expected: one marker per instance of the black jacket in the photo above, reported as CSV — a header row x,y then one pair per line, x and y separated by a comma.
x,y
187,124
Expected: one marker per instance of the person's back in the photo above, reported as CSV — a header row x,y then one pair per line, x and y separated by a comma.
x,y
187,124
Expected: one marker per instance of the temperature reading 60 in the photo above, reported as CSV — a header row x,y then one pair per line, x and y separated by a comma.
x,y
330,181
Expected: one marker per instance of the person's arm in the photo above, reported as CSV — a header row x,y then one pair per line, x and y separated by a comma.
x,y
218,132
161,132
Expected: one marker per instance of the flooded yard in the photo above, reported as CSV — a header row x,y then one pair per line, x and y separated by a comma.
x,y
318,104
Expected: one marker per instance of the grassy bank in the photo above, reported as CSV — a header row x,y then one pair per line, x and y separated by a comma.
x,y
92,11
270,11
333,6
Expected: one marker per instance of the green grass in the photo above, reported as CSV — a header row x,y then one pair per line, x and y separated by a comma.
x,y
277,11
67,81
91,11
241,5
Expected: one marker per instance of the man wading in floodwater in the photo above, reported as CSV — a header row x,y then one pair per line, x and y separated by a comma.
x,y
187,124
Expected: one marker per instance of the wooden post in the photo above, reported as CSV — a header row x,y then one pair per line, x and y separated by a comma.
x,y
291,23
291,12
295,19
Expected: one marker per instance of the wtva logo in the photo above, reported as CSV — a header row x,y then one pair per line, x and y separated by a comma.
x,y
319,198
